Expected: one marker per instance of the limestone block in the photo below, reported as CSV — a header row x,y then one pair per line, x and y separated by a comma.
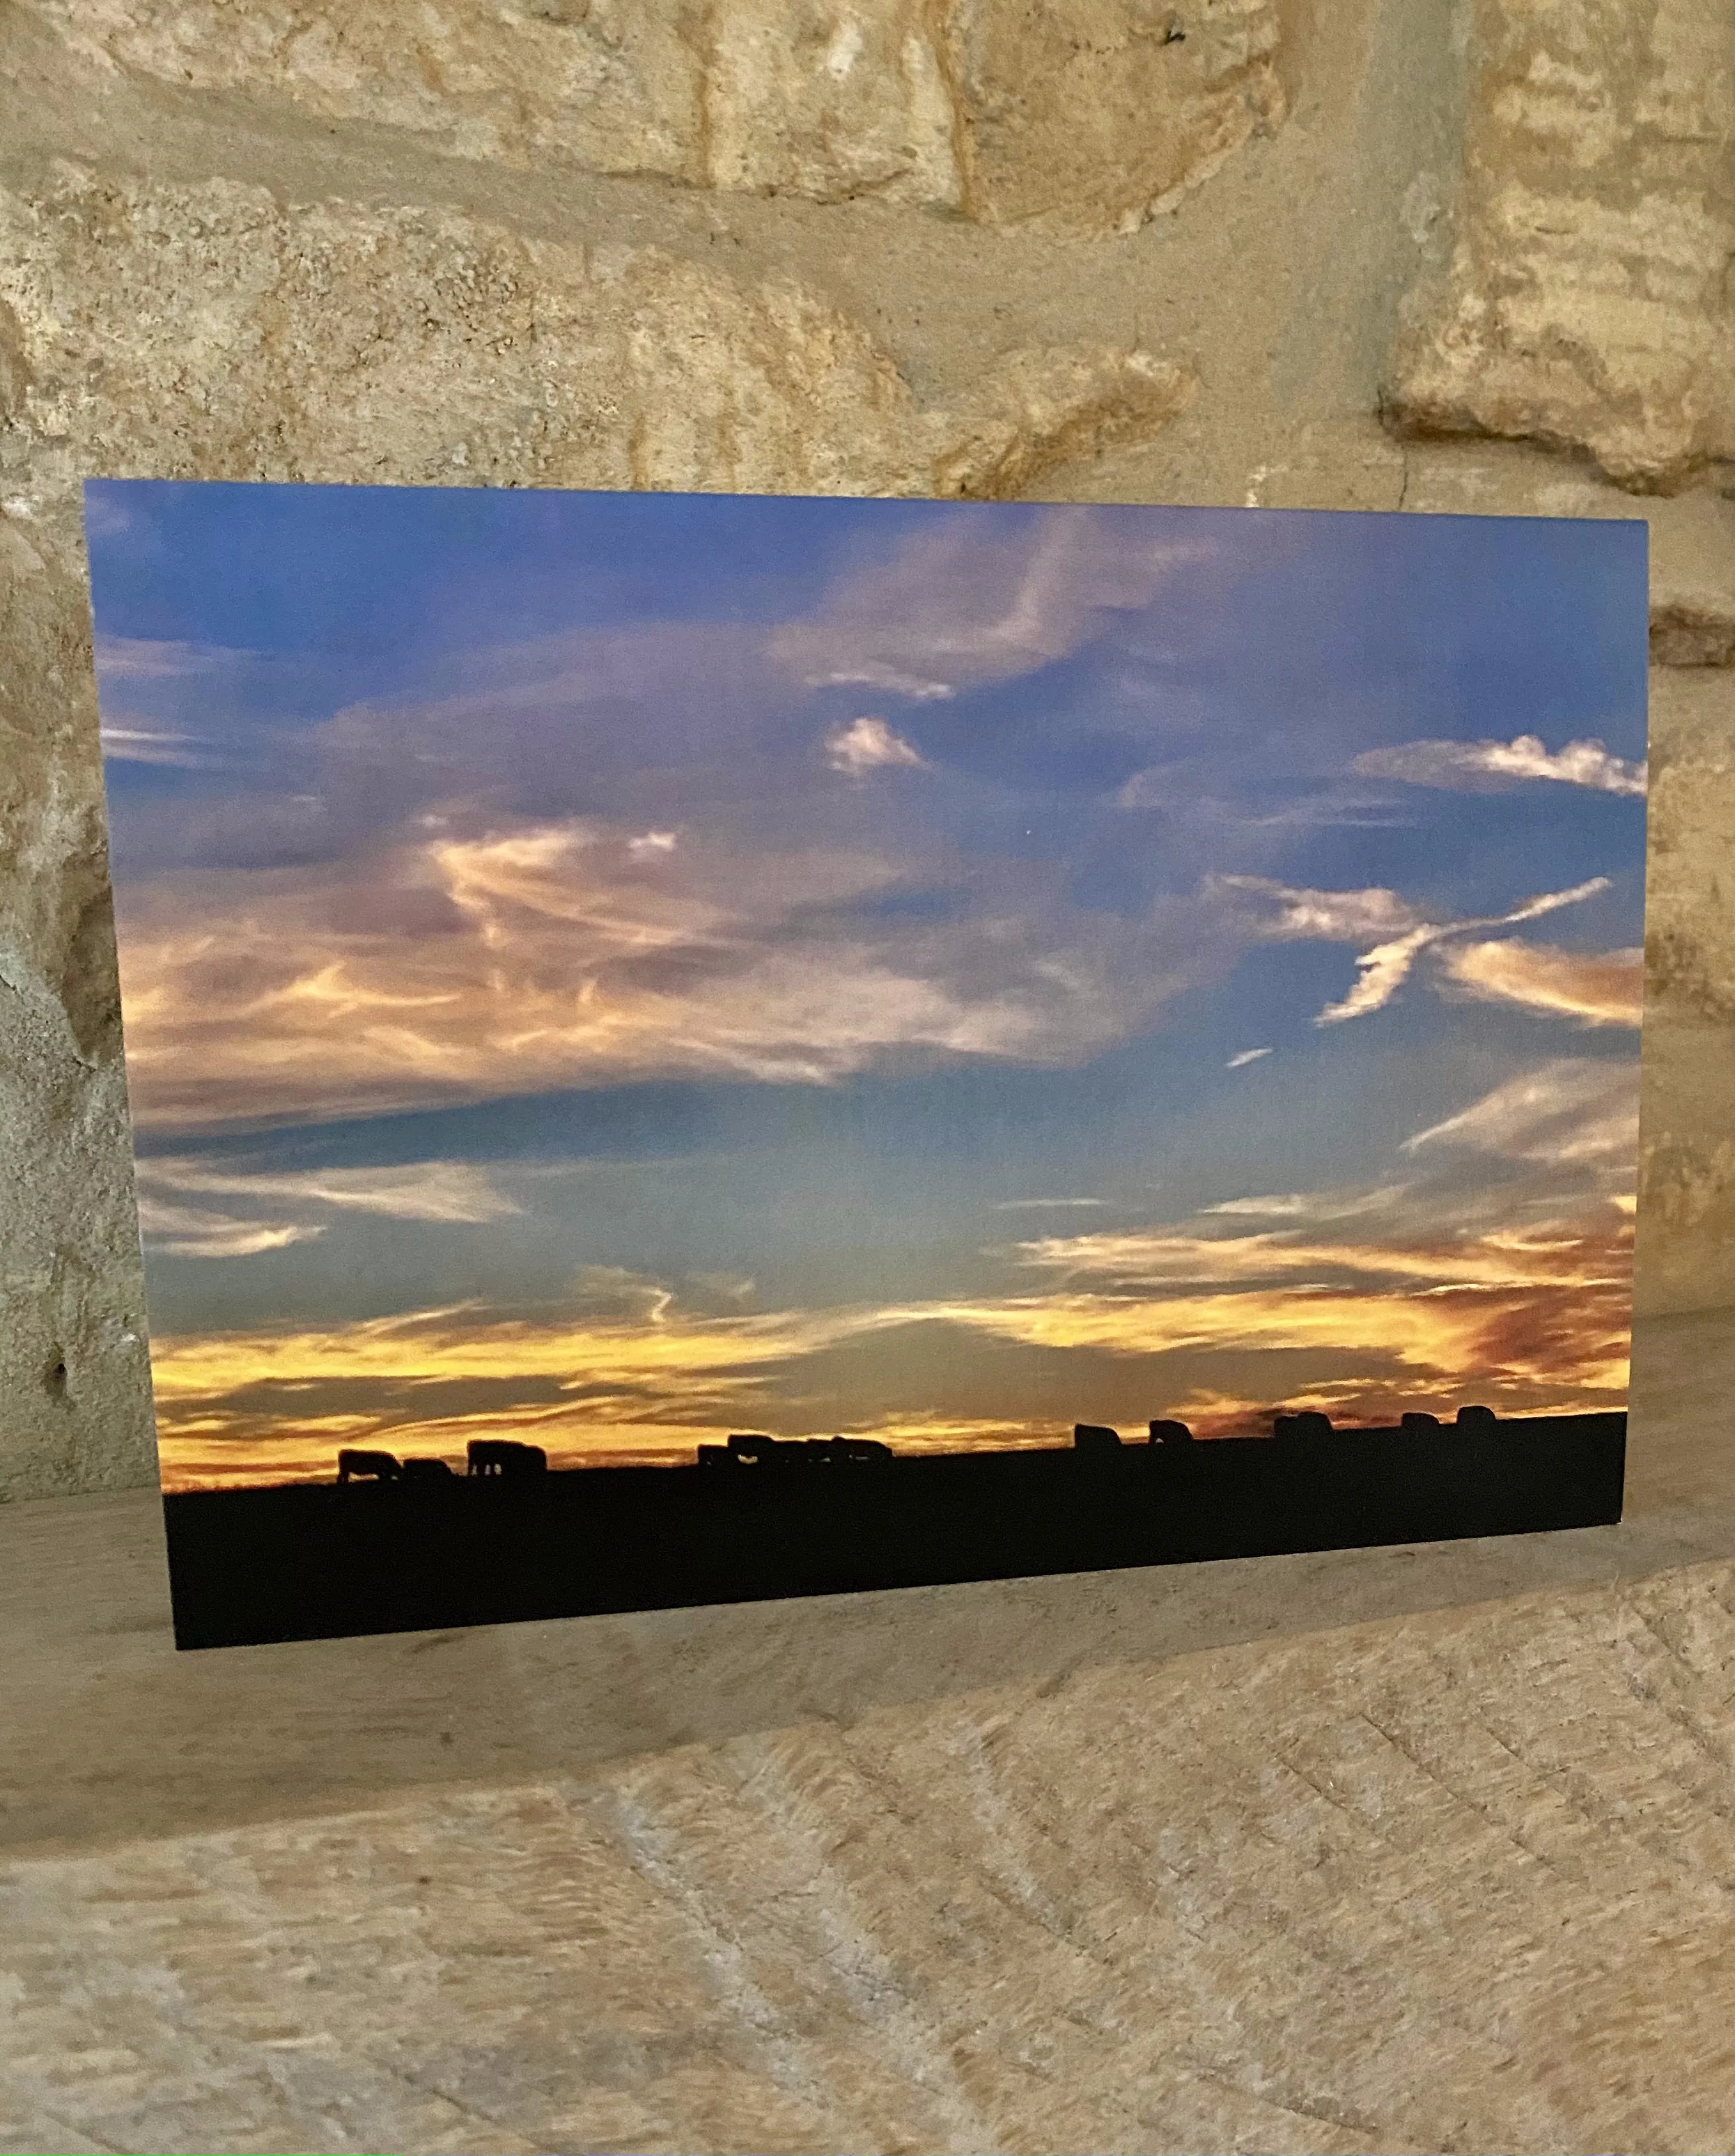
x,y
1690,927
1587,304
612,85
1085,114
1686,1218
1090,114
210,332
72,1362
828,100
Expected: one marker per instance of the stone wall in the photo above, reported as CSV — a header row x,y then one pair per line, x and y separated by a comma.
x,y
1333,253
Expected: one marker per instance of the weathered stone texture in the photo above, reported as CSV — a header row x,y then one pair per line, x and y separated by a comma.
x,y
1090,117
1085,114
1687,1152
1452,1881
72,1361
1589,303
210,332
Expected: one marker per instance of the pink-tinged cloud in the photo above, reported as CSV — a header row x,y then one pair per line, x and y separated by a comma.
x,y
552,956
1593,988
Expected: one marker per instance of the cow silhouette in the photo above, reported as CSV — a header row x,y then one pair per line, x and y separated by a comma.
x,y
382,1466
1165,1431
427,1470
754,1449
1095,1437
505,1456
860,1451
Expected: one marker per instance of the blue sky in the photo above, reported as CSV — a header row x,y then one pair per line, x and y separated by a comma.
x,y
829,964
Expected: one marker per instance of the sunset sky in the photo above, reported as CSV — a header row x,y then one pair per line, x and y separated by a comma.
x,y
616,970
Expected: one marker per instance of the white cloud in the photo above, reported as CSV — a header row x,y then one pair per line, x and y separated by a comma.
x,y
1380,973
1311,1204
1348,916
1477,765
147,745
183,1232
963,603
1154,788
162,659
1327,916
448,1192
650,844
1566,1113
1246,1056
1027,1204
542,957
871,674
619,1290
869,744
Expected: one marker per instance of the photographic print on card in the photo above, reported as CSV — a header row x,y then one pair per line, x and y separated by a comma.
x,y
696,1048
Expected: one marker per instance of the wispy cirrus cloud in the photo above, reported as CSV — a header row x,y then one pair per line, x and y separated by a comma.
x,y
1319,1206
1033,1205
874,673
1604,988
1568,1113
450,968
163,659
185,1205
1281,913
187,1231
1526,1318
448,1192
154,745
958,604
1481,765
1517,1287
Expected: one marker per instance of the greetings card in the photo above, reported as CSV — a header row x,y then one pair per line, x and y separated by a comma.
x,y
692,1048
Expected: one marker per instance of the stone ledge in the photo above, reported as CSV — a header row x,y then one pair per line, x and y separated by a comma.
x,y
1451,1879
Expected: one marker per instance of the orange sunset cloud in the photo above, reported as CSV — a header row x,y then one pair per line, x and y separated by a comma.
x,y
1537,1313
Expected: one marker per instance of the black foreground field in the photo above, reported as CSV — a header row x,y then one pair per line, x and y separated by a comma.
x,y
320,1561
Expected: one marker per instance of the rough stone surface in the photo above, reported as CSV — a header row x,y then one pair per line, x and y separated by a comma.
x,y
1587,304
74,1372
1687,1155
412,346
1088,114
